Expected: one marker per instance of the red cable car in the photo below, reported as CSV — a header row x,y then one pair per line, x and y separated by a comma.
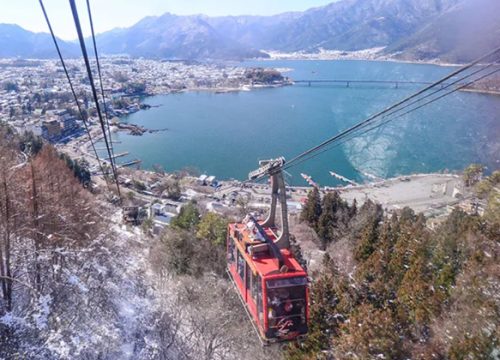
x,y
270,281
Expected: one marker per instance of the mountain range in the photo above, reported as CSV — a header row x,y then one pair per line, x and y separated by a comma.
x,y
445,30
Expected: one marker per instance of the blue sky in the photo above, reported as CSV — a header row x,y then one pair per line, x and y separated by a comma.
x,y
109,14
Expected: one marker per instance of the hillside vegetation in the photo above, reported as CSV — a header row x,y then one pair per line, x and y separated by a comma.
x,y
411,292
75,283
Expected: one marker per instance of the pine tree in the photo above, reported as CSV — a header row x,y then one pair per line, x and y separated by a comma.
x,y
312,209
297,251
370,334
324,320
328,219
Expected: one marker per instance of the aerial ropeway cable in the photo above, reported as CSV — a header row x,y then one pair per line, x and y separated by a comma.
x,y
376,126
80,111
391,108
94,92
391,111
100,76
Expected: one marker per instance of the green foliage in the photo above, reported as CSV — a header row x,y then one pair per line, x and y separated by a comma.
x,y
180,250
173,189
493,211
369,239
486,186
188,217
147,225
312,210
297,252
80,169
489,189
120,77
213,228
136,88
408,279
472,174
370,334
120,103
323,323
31,143
334,218
264,76
196,248
139,185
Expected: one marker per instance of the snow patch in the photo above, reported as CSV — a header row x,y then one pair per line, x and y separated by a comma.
x,y
12,320
42,314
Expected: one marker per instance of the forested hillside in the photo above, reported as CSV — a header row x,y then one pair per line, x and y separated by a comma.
x,y
76,283
392,288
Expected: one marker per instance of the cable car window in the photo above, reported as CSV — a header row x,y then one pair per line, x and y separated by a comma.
x,y
248,277
259,299
278,283
230,251
255,287
241,265
286,304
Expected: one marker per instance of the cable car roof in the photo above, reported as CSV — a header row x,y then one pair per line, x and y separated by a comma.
x,y
265,264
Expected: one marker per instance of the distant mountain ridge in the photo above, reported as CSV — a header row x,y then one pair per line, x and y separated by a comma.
x,y
464,32
445,30
18,42
172,36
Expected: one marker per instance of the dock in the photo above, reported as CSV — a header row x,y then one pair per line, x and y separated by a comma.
x,y
309,180
130,163
125,153
343,178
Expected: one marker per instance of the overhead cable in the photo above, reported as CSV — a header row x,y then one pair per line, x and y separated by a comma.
x,y
94,92
353,134
100,76
82,116
392,107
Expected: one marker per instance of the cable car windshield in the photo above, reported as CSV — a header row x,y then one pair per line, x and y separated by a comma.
x,y
286,302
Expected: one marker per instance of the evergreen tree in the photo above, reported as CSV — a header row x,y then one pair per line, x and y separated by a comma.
x,y
370,334
328,219
472,174
213,228
297,252
324,321
368,240
312,210
188,217
353,209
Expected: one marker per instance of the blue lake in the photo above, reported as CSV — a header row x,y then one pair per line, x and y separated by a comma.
x,y
226,134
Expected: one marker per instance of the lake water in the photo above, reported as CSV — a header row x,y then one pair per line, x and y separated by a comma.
x,y
226,134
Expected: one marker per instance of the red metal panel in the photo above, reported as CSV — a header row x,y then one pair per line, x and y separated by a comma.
x,y
264,304
266,267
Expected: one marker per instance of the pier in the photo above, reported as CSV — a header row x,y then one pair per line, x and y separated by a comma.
x,y
130,163
118,155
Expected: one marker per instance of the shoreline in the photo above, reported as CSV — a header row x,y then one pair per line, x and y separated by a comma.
x,y
369,54
382,59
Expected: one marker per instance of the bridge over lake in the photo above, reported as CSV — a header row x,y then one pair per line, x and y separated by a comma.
x,y
348,83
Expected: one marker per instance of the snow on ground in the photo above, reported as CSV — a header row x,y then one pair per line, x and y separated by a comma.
x,y
107,302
